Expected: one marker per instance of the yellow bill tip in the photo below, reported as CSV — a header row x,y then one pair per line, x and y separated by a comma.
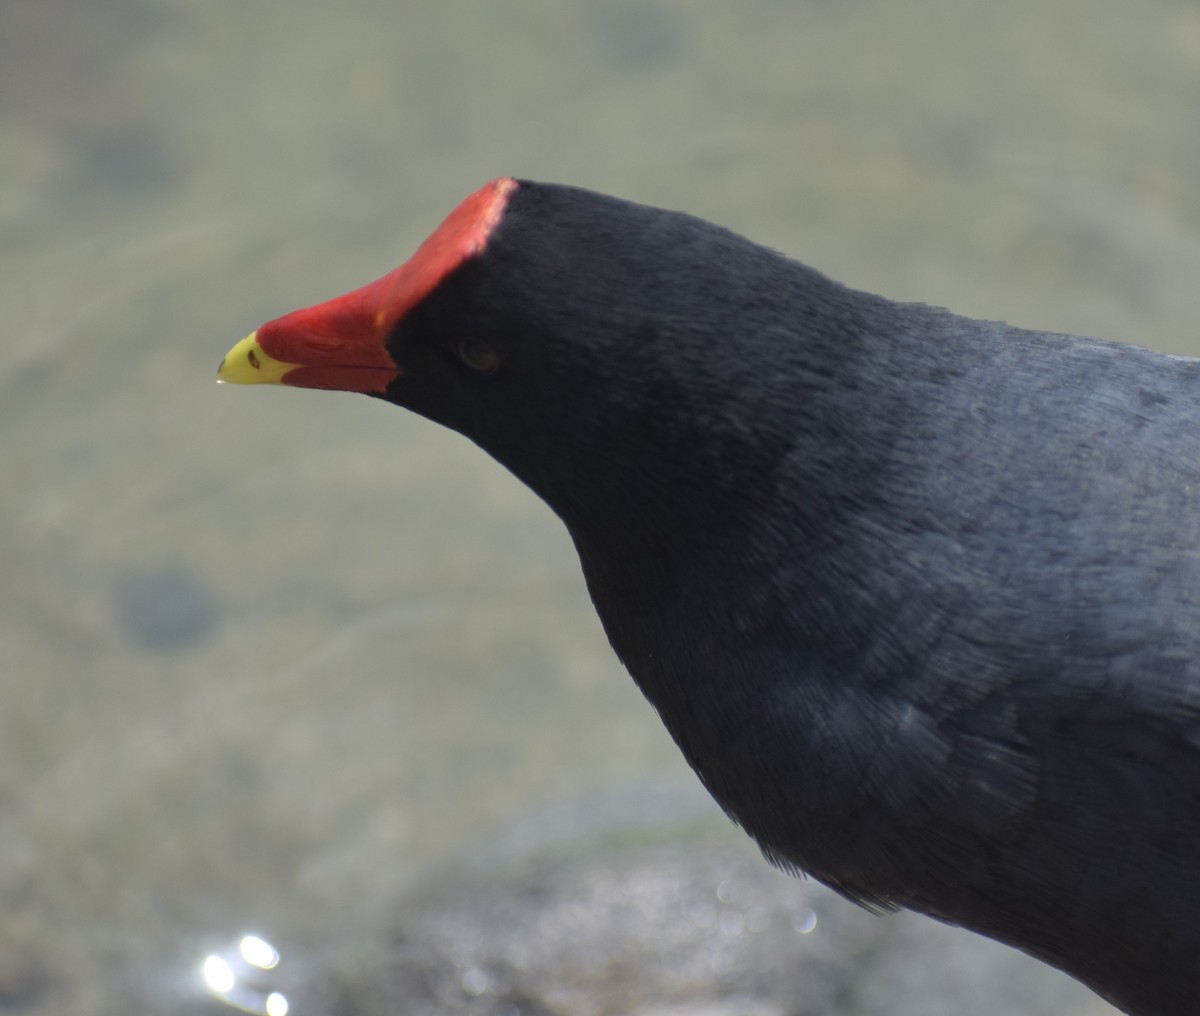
x,y
247,364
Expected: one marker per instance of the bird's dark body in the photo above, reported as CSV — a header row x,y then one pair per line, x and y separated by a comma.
x,y
918,596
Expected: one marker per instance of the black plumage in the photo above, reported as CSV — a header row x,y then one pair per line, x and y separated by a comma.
x,y
918,596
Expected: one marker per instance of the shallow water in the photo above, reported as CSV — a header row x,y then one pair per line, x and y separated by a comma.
x,y
269,655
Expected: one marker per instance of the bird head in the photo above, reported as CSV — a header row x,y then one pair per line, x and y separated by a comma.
x,y
590,344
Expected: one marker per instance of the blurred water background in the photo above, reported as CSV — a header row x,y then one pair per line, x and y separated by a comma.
x,y
270,658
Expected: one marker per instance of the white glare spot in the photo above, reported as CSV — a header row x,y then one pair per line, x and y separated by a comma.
x,y
475,981
258,952
218,975
804,922
241,977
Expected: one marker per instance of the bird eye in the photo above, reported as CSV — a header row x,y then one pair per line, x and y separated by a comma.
x,y
477,354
